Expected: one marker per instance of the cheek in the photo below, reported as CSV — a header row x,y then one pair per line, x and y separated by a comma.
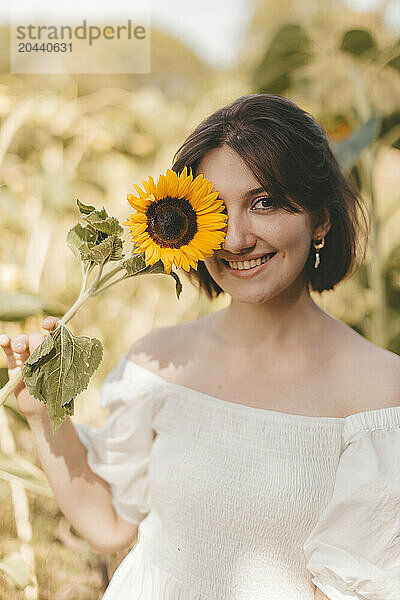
x,y
289,234
211,264
214,267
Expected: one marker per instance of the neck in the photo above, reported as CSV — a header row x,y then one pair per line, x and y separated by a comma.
x,y
279,326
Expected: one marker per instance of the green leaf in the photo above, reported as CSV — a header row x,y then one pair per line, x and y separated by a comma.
x,y
78,235
348,151
178,284
98,241
136,265
59,369
288,50
15,468
102,222
357,42
85,208
16,570
3,376
108,249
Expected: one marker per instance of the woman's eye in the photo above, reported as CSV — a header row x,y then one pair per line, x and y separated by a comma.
x,y
264,201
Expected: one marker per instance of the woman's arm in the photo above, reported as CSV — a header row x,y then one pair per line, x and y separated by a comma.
x,y
83,497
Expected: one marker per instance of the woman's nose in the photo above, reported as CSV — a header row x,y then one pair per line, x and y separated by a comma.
x,y
238,236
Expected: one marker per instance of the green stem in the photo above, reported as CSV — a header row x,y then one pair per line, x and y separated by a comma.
x,y
85,274
97,278
86,270
110,274
71,311
101,289
83,279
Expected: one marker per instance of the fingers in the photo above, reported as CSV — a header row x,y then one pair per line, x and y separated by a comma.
x,y
18,350
21,349
50,323
5,343
15,351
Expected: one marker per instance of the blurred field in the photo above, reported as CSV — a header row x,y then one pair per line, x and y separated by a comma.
x,y
92,137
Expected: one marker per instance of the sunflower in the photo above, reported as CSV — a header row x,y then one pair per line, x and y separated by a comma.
x,y
176,221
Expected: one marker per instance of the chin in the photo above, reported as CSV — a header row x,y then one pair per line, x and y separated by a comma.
x,y
246,298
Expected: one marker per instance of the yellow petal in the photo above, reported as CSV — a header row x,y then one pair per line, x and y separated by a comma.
x,y
169,253
140,228
156,252
172,183
193,264
184,185
166,259
137,218
178,259
143,237
136,203
150,186
142,194
151,254
187,262
190,251
161,191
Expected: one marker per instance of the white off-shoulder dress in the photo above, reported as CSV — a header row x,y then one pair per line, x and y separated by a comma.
x,y
243,503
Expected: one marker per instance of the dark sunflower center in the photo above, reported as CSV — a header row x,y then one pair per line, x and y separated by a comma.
x,y
171,222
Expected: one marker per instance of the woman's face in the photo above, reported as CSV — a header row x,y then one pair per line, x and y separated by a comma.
x,y
255,227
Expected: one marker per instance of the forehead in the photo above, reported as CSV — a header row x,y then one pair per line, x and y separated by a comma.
x,y
228,173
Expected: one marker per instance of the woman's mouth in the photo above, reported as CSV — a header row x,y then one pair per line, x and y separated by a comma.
x,y
248,268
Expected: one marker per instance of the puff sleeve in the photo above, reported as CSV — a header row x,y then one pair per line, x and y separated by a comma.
x,y
119,452
353,552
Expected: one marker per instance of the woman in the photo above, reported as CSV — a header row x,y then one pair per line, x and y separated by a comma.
x,y
258,447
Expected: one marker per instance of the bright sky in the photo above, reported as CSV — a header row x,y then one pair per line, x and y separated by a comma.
x,y
213,28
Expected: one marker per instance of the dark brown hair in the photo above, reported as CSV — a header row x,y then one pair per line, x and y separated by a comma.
x,y
288,153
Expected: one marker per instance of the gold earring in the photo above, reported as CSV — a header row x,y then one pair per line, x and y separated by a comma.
x,y
318,244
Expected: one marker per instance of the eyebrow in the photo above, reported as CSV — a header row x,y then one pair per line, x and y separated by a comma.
x,y
250,193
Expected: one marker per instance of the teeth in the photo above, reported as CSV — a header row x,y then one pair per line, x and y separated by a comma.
x,y
248,264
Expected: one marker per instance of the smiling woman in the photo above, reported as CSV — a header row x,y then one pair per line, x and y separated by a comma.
x,y
254,447
255,451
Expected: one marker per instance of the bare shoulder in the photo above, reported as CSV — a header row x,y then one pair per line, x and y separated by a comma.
x,y
162,350
375,370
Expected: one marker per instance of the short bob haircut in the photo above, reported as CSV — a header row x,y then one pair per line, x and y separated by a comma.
x,y
288,153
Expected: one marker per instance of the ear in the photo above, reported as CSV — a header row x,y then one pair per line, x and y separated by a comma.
x,y
322,224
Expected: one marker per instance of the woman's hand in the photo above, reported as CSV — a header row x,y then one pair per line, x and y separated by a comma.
x,y
17,353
